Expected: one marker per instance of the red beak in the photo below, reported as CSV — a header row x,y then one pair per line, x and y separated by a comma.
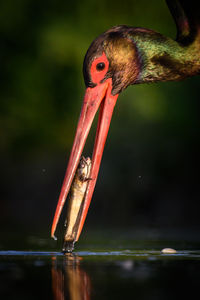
x,y
101,96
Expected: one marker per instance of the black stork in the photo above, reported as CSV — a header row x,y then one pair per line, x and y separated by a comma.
x,y
120,57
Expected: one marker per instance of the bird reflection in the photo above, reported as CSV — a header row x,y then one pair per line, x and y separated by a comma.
x,y
69,280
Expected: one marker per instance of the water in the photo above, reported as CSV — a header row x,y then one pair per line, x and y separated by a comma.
x,y
138,272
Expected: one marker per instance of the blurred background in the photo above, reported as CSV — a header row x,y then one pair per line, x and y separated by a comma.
x,y
149,176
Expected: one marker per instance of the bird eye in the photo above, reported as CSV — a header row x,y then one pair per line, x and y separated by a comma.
x,y
100,66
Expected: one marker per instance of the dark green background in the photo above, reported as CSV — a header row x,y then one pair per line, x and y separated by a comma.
x,y
150,170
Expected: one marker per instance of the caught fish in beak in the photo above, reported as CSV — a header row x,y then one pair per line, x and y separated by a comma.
x,y
99,96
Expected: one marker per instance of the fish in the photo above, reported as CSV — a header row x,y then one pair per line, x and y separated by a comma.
x,y
75,204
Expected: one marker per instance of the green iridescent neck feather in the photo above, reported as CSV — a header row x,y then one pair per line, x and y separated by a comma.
x,y
163,59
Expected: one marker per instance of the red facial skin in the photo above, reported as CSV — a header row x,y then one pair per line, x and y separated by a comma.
x,y
96,75
98,96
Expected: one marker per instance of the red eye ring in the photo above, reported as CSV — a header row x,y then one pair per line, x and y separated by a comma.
x,y
99,68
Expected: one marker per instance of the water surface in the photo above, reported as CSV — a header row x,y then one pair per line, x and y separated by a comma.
x,y
103,266
99,274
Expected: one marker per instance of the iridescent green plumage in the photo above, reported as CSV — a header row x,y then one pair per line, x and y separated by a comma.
x,y
163,59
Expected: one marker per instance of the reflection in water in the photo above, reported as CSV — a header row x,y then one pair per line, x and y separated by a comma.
x,y
69,281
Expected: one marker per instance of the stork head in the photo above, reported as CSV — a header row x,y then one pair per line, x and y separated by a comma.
x,y
113,55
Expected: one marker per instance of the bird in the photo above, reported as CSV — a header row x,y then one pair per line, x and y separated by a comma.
x,y
124,56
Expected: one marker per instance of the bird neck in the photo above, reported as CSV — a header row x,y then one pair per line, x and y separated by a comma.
x,y
186,15
164,59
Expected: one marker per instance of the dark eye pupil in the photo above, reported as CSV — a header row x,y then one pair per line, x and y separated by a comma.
x,y
100,66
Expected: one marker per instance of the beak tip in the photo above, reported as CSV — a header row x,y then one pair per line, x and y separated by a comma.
x,y
54,237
